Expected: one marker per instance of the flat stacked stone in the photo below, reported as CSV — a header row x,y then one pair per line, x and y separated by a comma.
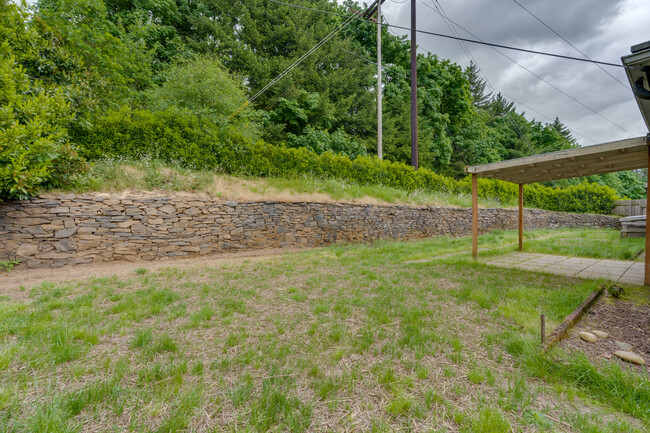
x,y
54,231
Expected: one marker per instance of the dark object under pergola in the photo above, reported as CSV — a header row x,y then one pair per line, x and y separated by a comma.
x,y
630,154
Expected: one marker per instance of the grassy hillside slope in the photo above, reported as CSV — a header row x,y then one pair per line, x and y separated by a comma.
x,y
148,175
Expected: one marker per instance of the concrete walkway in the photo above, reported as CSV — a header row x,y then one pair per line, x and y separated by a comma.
x,y
615,270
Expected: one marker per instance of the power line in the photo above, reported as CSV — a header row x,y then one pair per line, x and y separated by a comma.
x,y
491,86
542,79
446,19
473,41
476,40
471,57
451,135
573,46
293,65
545,116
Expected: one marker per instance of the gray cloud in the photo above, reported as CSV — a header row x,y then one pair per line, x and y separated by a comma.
x,y
603,29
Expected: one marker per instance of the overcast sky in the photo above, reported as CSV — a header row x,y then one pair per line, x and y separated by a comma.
x,y
602,29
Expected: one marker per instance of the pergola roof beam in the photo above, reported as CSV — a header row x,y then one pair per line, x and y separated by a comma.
x,y
618,155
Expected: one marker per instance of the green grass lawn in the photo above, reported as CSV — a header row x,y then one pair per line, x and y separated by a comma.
x,y
596,243
345,338
586,242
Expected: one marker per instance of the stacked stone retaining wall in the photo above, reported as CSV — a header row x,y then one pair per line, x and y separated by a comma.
x,y
53,231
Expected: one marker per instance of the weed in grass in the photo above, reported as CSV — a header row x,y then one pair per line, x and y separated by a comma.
x,y
387,378
144,303
380,426
197,368
6,401
399,406
321,306
363,340
537,419
456,357
180,416
276,409
231,305
200,317
142,338
141,271
324,388
241,391
234,339
458,416
56,415
432,398
92,393
517,397
173,372
591,423
515,344
62,347
164,343
336,333
476,376
487,420
50,417
489,376
415,332
152,373
448,371
338,355
177,310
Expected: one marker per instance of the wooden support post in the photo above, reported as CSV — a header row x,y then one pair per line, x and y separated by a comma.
x,y
521,217
542,320
474,216
646,275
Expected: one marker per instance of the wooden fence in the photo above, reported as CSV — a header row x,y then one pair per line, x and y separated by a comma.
x,y
630,207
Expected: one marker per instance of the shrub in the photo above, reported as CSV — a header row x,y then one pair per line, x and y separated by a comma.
x,y
204,88
321,141
34,151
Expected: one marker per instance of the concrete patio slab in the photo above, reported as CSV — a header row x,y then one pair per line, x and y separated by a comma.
x,y
624,271
579,261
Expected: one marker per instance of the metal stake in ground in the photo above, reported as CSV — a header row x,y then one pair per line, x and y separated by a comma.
x,y
542,320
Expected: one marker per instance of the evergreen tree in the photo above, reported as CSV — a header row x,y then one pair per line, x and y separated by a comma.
x,y
564,131
477,86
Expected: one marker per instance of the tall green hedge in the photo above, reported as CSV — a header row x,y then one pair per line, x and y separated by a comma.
x,y
179,137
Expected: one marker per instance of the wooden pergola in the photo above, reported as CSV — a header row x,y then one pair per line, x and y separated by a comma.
x,y
609,157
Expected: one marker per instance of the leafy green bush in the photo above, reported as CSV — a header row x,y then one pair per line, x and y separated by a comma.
x,y
204,88
583,197
34,151
179,137
321,141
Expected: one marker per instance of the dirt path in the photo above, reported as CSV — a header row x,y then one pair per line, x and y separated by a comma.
x,y
32,277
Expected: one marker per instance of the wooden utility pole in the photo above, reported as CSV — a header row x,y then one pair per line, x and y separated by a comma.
x,y
379,90
414,91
